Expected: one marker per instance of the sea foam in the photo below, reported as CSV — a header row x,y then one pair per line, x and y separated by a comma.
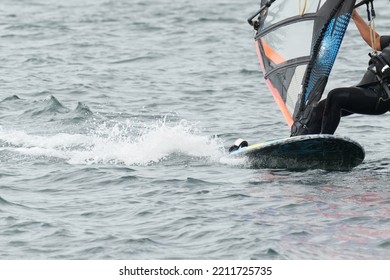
x,y
118,143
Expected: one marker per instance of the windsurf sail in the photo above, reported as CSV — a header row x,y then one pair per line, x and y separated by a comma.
x,y
297,42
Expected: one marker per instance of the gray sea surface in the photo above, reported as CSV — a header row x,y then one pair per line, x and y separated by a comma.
x,y
114,117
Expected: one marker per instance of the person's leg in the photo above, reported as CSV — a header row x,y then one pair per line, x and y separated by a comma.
x,y
314,126
344,101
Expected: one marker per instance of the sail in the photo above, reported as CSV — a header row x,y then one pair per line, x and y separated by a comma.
x,y
297,43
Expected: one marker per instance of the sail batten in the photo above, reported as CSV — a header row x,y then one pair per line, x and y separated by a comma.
x,y
287,21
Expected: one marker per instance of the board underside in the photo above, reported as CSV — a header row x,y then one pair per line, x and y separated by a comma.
x,y
326,152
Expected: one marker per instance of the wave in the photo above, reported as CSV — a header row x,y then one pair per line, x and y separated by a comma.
x,y
10,98
51,106
42,114
82,110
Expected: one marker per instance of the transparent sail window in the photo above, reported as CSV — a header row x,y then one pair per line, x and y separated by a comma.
x,y
280,10
288,42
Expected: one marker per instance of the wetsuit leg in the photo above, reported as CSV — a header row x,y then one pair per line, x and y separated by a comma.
x,y
317,116
314,127
345,101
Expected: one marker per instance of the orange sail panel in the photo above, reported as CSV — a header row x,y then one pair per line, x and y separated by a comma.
x,y
277,59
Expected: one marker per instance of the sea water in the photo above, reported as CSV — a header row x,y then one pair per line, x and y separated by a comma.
x,y
114,117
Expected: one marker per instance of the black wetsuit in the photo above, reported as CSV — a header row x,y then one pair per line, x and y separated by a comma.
x,y
367,97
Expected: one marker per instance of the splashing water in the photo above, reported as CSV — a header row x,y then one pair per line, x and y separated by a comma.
x,y
117,143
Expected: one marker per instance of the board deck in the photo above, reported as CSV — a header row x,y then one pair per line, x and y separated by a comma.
x,y
320,151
